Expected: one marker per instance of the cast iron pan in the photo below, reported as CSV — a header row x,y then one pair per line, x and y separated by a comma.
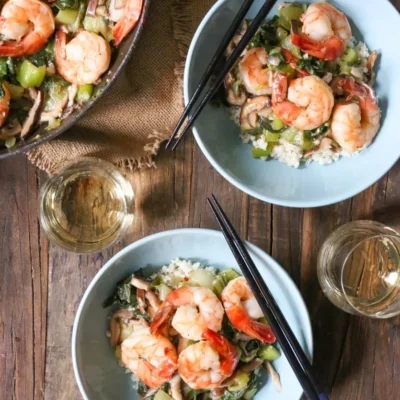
x,y
120,58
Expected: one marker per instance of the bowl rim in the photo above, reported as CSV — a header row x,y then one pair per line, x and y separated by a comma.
x,y
294,203
295,292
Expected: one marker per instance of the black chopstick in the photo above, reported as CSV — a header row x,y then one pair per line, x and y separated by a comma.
x,y
258,20
285,336
211,67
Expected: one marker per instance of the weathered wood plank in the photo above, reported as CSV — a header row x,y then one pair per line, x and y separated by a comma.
x,y
23,284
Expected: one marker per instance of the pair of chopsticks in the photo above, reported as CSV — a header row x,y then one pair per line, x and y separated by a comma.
x,y
285,336
230,62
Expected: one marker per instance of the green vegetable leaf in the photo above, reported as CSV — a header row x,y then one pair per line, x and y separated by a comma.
x,y
63,4
142,388
313,66
228,330
265,36
125,295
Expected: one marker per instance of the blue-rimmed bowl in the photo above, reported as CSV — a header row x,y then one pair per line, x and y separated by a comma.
x,y
218,137
97,372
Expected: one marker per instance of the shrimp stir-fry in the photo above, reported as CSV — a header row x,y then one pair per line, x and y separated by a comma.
x,y
306,104
195,341
326,32
195,310
243,310
206,364
26,25
355,124
45,46
152,358
84,59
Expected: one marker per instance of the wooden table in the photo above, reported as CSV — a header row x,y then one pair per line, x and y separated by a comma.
x,y
41,285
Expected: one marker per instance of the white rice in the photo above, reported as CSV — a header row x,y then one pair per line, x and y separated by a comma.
x,y
287,153
359,71
234,114
180,269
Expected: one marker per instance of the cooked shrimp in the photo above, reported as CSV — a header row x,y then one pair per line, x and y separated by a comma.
x,y
4,104
355,125
197,308
242,310
206,364
153,359
256,79
130,17
28,23
326,32
84,59
306,105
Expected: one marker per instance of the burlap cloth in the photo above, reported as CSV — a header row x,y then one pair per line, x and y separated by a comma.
x,y
129,123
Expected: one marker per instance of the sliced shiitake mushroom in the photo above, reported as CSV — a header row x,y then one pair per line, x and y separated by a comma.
x,y
254,109
34,113
10,129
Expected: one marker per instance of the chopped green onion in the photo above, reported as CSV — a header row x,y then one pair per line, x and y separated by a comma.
x,y
281,33
229,274
307,142
287,44
259,153
84,93
269,127
272,137
201,277
67,16
288,70
288,13
161,395
240,382
289,134
269,353
277,124
350,56
10,142
30,76
223,278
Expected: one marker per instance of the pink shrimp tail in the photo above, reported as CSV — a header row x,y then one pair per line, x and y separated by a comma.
x,y
329,50
225,349
30,44
162,319
121,29
241,321
154,377
264,332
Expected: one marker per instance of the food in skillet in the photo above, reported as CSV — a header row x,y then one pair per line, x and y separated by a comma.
x,y
52,55
303,89
190,332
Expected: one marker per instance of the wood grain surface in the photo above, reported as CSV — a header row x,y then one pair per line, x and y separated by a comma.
x,y
41,285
